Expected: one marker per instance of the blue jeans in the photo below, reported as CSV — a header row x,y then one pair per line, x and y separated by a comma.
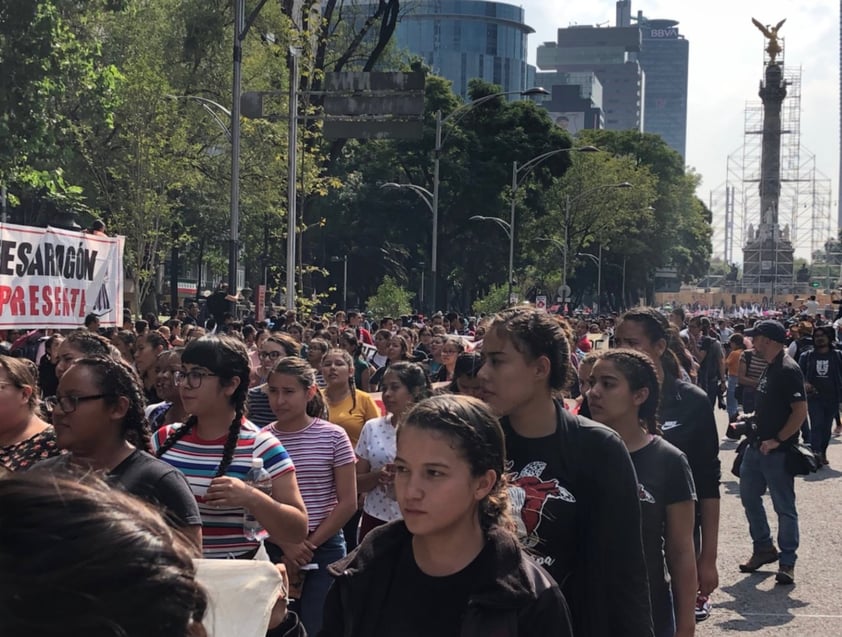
x,y
756,474
317,582
730,399
822,414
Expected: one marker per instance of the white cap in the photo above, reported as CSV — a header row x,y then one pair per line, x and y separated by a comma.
x,y
257,463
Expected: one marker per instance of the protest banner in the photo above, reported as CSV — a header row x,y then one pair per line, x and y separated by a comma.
x,y
53,278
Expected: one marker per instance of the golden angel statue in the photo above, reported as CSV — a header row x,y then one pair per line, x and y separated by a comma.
x,y
771,32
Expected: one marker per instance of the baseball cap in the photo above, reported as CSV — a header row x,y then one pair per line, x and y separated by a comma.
x,y
772,330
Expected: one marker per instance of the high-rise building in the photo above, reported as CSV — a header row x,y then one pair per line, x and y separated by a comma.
x,y
611,55
465,39
642,67
664,56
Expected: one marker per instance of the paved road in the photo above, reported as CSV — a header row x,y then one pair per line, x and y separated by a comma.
x,y
753,603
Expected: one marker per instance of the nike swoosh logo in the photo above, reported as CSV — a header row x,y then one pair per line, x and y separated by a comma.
x,y
672,424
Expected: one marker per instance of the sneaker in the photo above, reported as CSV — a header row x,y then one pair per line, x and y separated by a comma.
x,y
786,574
759,558
702,608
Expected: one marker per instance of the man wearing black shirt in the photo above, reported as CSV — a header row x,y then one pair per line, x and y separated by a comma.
x,y
781,408
822,368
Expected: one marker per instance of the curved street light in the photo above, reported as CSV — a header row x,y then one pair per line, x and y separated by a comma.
x,y
454,116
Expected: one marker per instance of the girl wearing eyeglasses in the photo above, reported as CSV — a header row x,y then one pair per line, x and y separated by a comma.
x,y
24,437
271,350
214,449
450,350
99,421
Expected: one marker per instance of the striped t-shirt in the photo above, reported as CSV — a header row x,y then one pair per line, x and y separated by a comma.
x,y
316,451
258,408
198,460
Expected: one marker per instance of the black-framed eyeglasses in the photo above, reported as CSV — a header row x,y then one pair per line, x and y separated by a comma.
x,y
270,355
192,379
68,404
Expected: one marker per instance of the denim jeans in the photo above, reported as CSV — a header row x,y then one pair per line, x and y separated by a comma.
x,y
730,398
822,413
317,582
756,474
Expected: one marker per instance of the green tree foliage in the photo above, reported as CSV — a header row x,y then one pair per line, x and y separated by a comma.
x,y
494,301
52,79
390,299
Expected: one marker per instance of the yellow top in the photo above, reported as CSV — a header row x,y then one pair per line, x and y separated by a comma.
x,y
350,416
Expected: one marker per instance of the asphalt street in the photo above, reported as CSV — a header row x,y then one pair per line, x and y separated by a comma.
x,y
752,602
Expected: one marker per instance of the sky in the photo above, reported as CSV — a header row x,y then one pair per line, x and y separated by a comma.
x,y
726,65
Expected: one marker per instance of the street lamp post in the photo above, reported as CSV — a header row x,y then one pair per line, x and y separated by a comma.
x,y
428,198
598,260
344,259
525,168
454,115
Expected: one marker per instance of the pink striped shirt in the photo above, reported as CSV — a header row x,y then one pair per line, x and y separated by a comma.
x,y
316,451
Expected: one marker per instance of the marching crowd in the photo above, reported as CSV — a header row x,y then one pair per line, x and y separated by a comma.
x,y
521,473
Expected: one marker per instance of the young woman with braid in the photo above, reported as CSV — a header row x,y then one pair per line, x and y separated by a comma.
x,y
688,423
83,344
214,449
453,565
624,394
98,418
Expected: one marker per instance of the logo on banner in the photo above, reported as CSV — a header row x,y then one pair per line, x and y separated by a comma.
x,y
53,278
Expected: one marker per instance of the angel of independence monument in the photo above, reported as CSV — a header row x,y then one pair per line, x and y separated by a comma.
x,y
768,252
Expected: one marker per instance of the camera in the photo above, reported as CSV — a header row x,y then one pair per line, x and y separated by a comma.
x,y
741,427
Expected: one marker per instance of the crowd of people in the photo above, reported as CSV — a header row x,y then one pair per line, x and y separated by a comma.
x,y
446,475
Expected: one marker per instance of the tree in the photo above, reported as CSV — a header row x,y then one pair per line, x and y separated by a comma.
x,y
496,300
53,82
390,300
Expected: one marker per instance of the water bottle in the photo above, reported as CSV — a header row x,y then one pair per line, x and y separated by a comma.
x,y
260,479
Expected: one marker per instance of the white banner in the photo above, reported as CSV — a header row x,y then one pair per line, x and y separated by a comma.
x,y
53,278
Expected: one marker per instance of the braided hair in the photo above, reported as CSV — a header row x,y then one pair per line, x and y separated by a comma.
x,y
474,432
640,373
226,357
115,379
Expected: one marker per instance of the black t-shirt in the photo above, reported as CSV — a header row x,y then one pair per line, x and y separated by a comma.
x,y
420,605
543,505
822,372
781,384
149,479
664,478
709,369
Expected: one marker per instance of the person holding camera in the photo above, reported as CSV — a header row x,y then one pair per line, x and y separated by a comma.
x,y
781,408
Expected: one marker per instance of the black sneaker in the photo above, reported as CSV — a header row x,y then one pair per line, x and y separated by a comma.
x,y
786,574
758,559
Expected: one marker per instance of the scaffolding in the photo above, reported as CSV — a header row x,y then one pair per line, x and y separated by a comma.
x,y
804,209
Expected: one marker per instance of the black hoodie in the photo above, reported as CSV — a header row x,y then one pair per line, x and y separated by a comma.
x,y
519,600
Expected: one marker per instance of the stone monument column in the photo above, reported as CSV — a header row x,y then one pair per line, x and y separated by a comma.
x,y
768,253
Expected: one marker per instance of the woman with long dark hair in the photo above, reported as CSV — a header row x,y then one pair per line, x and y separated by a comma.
x,y
215,447
624,394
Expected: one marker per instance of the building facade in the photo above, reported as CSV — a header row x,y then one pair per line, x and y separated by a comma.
x,y
664,56
466,39
611,54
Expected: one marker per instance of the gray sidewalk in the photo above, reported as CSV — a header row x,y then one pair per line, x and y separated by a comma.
x,y
752,602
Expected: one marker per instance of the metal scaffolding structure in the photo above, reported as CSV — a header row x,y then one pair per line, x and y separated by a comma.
x,y
805,208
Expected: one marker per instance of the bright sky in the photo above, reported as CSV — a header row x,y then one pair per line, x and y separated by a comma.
x,y
726,57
